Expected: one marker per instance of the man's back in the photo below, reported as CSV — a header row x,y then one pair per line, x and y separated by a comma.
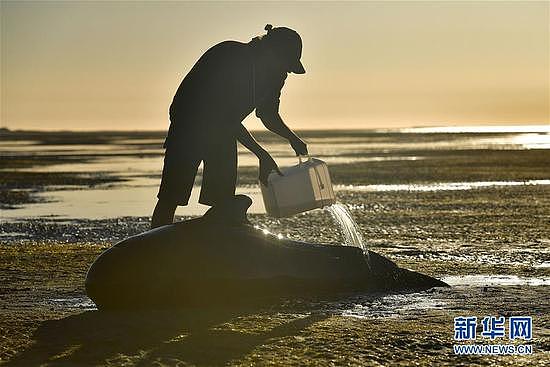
x,y
219,86
222,88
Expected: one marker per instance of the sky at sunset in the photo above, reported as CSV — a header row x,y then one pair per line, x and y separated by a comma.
x,y
116,65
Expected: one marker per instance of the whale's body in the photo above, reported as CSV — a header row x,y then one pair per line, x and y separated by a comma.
x,y
202,261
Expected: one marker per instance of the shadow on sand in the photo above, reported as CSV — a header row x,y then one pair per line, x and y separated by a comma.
x,y
143,338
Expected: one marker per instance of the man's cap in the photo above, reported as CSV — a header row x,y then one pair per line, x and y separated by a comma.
x,y
287,42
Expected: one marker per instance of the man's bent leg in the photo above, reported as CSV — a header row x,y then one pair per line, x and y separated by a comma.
x,y
163,213
178,175
219,176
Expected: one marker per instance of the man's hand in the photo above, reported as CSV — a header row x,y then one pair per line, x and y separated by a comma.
x,y
267,164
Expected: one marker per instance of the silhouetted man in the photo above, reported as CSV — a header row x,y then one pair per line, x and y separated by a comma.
x,y
225,85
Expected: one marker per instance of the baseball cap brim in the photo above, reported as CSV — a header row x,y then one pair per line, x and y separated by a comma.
x,y
298,68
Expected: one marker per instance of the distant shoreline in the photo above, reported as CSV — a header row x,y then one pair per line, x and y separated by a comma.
x,y
435,129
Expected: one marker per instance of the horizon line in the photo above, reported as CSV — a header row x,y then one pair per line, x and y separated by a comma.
x,y
481,128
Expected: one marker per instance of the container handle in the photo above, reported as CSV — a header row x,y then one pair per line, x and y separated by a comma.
x,y
304,158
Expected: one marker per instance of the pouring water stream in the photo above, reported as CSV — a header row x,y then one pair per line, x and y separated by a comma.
x,y
349,228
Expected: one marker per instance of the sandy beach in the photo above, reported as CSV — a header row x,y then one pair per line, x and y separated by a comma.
x,y
472,209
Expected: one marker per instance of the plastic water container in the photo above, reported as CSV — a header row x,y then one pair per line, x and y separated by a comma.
x,y
302,187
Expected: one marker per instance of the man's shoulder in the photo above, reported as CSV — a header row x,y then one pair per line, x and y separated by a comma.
x,y
228,47
231,44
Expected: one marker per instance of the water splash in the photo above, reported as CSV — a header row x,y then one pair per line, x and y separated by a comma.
x,y
268,233
350,229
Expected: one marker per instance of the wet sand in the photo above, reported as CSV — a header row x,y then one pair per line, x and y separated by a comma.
x,y
491,243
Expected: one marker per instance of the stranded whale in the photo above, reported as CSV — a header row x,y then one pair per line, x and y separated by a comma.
x,y
209,260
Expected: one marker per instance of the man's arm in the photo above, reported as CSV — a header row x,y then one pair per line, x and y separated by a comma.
x,y
249,142
267,163
274,122
267,110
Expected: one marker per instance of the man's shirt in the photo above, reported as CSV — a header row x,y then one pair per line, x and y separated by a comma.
x,y
222,88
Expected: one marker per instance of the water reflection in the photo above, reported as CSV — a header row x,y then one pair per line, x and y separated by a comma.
x,y
139,161
136,198
480,129
495,280
441,186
